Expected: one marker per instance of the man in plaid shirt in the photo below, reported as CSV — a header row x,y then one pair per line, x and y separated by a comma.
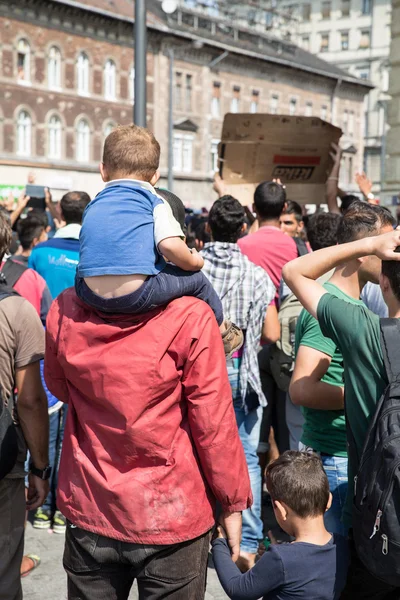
x,y
246,292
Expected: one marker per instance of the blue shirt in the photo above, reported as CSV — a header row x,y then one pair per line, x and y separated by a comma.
x,y
56,261
286,571
122,228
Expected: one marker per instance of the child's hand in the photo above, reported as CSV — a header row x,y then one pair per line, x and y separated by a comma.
x,y
221,533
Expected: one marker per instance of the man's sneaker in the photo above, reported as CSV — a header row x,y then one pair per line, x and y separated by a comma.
x,y
232,337
59,522
42,519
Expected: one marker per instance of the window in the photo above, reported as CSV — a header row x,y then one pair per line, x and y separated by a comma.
x,y
345,8
292,106
24,62
83,74
110,80
178,90
308,110
305,42
273,104
306,12
363,73
350,126
385,80
183,153
54,139
365,40
345,121
366,7
214,156
188,92
324,47
215,107
324,112
215,102
381,121
83,141
24,134
254,106
326,10
54,69
235,105
108,128
132,84
344,40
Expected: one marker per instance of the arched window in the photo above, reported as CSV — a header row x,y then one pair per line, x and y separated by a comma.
x,y
83,74
24,62
54,137
83,141
24,133
109,80
108,128
54,68
132,84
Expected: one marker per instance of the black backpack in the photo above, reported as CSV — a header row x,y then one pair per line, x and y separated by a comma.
x,y
376,504
8,432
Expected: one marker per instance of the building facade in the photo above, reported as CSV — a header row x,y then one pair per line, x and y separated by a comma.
x,y
392,173
67,78
354,35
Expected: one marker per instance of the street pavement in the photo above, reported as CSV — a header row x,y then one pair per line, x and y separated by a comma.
x,y
48,581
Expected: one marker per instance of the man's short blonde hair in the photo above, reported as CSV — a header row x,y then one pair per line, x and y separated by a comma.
x,y
131,150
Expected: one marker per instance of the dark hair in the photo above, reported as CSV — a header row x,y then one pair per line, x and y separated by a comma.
x,y
298,479
176,204
391,269
5,233
363,220
131,150
40,215
73,206
29,229
294,208
347,201
269,200
226,219
201,233
322,230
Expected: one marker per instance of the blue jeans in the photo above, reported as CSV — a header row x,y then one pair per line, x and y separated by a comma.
x,y
56,436
157,290
336,470
249,424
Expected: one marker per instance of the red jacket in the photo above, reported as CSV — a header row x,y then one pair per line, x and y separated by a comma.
x,y
151,439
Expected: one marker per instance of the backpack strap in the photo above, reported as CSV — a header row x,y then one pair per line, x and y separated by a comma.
x,y
301,246
12,270
390,336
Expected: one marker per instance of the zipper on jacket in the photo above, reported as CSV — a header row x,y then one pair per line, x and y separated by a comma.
x,y
377,524
385,544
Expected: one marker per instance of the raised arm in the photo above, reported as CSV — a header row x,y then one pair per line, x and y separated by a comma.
x,y
300,274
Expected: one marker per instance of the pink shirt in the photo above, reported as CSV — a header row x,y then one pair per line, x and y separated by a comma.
x,y
270,249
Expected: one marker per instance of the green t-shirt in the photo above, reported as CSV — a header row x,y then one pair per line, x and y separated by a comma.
x,y
324,430
356,332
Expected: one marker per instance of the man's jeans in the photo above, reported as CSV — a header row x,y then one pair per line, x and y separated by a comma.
x,y
249,424
12,520
336,470
56,436
100,568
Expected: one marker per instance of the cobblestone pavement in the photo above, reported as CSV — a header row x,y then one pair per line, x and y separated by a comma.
x,y
48,581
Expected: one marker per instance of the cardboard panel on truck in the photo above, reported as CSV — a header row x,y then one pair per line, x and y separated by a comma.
x,y
262,147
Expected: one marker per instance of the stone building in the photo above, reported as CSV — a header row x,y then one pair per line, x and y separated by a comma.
x,y
392,183
67,72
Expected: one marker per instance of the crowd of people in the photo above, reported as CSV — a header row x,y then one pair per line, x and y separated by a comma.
x,y
168,372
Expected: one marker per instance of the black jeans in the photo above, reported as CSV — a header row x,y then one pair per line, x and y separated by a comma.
x,y
362,585
100,568
156,291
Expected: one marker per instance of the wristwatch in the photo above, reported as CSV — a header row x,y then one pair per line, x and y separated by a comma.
x,y
370,196
41,473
